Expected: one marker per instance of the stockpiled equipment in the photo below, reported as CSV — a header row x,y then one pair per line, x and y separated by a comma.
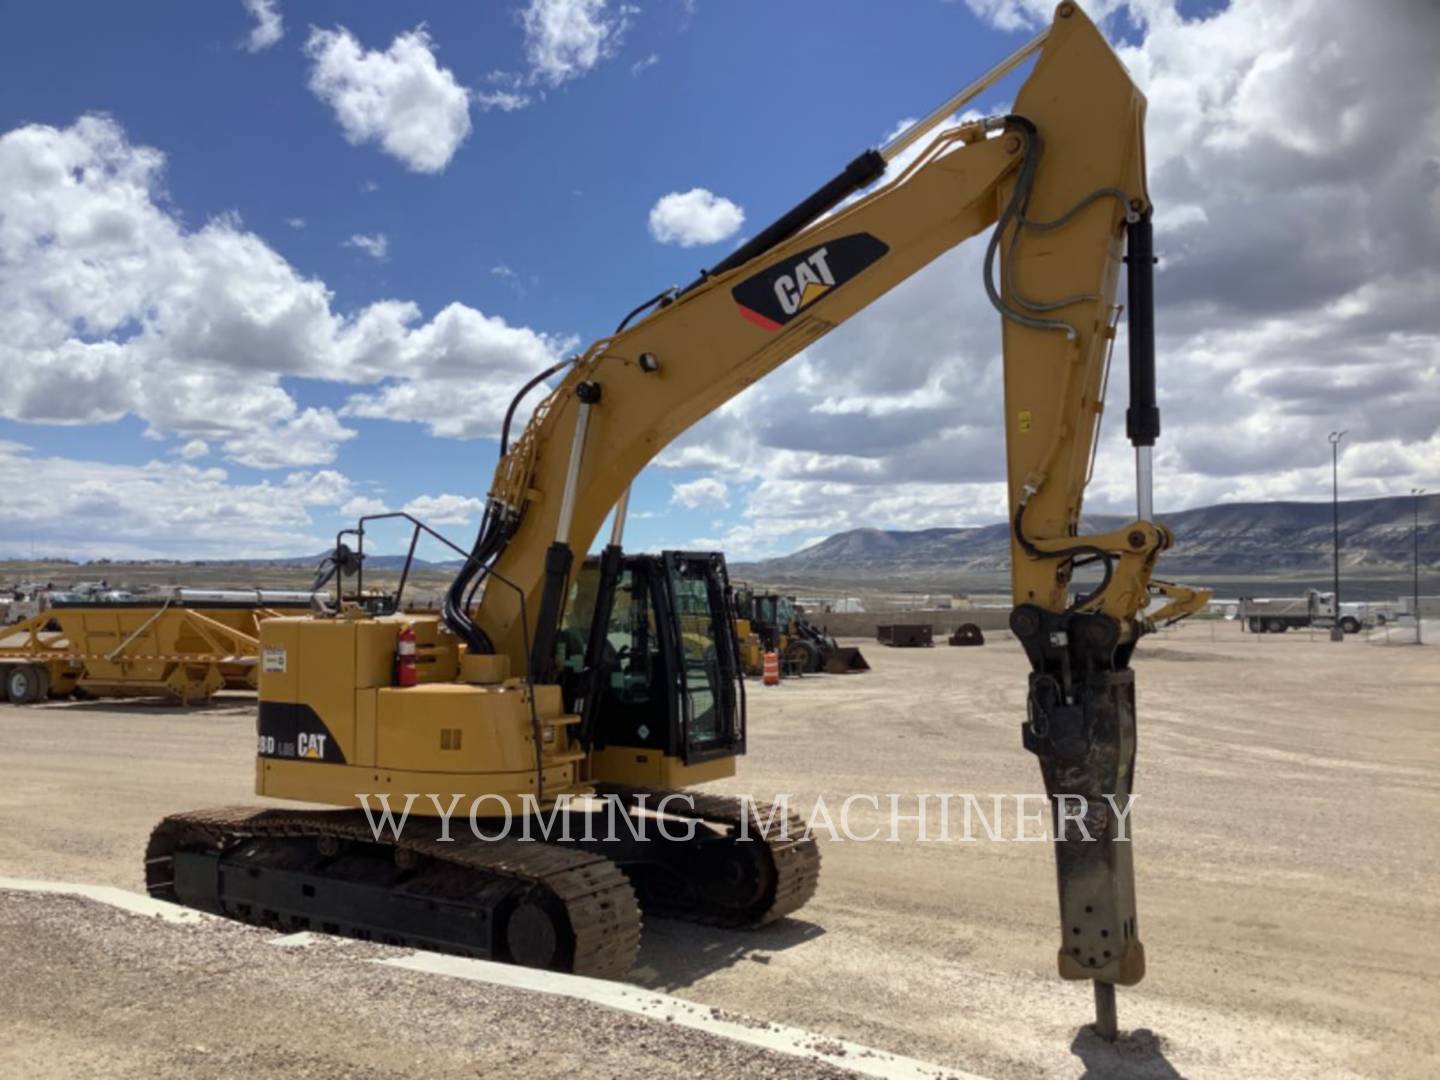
x,y
905,635
187,646
967,634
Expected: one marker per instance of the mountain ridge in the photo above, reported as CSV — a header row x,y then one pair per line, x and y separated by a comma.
x,y
1259,538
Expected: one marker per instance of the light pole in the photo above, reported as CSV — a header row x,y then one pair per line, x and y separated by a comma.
x,y
1415,494
1336,632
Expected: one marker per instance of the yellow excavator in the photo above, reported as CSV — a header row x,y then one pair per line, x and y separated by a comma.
x,y
482,713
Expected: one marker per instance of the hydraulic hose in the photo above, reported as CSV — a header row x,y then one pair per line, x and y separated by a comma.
x,y
1071,552
496,528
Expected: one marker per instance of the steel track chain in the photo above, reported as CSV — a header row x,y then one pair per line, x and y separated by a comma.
x,y
599,901
794,855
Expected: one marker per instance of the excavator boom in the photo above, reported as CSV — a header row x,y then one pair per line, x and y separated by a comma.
x,y
1078,124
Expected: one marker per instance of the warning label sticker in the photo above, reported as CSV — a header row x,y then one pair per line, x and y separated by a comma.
x,y
273,660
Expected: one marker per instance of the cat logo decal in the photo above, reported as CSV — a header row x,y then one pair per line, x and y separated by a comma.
x,y
783,290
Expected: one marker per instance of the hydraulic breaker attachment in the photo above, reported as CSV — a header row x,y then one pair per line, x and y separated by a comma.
x,y
1081,725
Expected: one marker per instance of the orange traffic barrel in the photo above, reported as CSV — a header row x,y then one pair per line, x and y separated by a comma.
x,y
771,676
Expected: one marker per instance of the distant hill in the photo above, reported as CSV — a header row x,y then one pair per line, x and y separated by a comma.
x,y
1226,546
309,562
1291,539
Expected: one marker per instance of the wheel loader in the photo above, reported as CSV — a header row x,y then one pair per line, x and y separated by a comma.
x,y
781,627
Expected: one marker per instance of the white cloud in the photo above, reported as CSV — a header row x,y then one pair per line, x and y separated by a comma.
x,y
446,395
566,38
444,509
639,67
194,449
114,307
305,437
377,246
517,282
504,100
161,509
400,98
269,27
295,222
706,491
362,506
694,217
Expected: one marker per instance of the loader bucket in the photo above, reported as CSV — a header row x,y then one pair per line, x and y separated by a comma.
x,y
844,660
967,634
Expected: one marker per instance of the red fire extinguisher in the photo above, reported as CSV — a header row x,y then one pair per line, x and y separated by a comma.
x,y
405,670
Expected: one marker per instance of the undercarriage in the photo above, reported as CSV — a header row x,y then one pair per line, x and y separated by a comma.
x,y
570,902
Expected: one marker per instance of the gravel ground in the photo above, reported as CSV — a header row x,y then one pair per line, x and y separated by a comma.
x,y
90,991
1287,870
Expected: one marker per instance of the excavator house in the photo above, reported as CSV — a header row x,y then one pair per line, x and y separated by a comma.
x,y
552,691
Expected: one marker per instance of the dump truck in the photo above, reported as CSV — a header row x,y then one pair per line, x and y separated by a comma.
x,y
1275,615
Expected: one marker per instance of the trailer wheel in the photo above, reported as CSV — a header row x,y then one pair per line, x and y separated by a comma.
x,y
26,684
1350,624
1274,626
1253,624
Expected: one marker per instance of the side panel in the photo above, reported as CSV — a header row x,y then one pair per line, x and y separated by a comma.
x,y
365,735
650,768
326,678
454,728
280,659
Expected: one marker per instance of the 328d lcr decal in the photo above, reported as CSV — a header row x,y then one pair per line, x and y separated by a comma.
x,y
289,730
778,293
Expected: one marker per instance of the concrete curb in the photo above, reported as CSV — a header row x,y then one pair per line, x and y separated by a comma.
x,y
622,997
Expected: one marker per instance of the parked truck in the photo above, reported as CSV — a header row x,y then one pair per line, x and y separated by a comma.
x,y
1275,615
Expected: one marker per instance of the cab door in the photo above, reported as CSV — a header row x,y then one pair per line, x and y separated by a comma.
x,y
709,681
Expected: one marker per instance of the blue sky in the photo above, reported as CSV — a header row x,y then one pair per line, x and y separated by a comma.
x,y
539,217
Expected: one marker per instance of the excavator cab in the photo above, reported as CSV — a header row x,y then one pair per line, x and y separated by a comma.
x,y
649,658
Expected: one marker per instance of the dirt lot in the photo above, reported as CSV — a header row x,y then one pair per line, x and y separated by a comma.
x,y
1288,880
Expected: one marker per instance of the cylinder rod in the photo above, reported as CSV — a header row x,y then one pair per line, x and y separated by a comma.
x,y
572,468
952,104
1144,483
617,525
1107,1024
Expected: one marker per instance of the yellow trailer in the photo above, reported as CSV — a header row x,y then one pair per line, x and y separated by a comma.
x,y
182,648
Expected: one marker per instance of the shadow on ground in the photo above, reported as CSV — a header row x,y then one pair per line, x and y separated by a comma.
x,y
1135,1055
155,706
674,954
